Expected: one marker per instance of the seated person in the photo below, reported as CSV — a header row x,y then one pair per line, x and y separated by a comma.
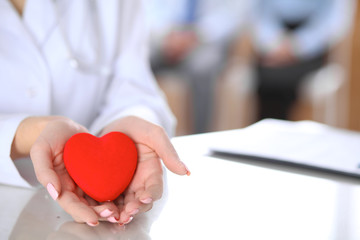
x,y
190,39
292,39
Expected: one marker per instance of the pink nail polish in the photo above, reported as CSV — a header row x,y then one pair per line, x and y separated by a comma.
x,y
146,200
187,170
92,224
106,213
52,191
113,219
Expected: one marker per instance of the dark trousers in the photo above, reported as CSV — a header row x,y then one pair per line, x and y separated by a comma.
x,y
278,86
200,69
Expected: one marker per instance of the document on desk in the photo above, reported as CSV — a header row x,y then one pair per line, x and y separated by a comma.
x,y
303,143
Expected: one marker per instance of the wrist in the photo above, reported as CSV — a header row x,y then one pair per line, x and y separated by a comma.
x,y
26,134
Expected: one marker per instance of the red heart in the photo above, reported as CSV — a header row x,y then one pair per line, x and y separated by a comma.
x,y
101,167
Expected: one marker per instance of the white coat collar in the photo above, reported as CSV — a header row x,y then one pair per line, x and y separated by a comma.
x,y
13,27
38,21
39,18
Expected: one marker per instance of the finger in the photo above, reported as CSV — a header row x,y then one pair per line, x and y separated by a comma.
x,y
91,201
131,207
159,141
82,199
151,193
107,211
119,201
153,136
41,157
147,207
153,188
80,211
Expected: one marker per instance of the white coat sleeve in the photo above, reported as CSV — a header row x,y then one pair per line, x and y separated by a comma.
x,y
9,174
133,89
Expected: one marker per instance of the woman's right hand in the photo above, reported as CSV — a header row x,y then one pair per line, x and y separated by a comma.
x,y
47,156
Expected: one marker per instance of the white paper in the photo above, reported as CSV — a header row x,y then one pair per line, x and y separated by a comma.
x,y
304,142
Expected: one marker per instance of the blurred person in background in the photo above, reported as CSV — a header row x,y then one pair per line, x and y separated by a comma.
x,y
292,38
190,39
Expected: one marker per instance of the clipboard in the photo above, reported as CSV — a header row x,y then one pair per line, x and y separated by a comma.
x,y
304,143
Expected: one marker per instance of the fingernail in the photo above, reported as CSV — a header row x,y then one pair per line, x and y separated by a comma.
x,y
129,220
52,191
106,213
187,170
133,212
92,224
146,200
113,219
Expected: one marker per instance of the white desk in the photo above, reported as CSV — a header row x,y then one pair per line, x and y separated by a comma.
x,y
222,199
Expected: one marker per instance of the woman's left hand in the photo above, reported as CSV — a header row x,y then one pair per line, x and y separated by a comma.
x,y
152,145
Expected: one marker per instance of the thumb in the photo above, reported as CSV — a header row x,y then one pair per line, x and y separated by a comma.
x,y
42,159
158,140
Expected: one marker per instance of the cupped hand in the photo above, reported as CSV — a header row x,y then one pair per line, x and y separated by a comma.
x,y
47,156
153,145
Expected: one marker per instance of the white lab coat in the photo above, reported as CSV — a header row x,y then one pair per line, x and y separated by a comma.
x,y
37,79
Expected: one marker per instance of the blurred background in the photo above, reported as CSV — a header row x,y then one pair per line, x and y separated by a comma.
x,y
225,64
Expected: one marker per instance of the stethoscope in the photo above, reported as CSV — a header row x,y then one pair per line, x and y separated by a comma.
x,y
98,67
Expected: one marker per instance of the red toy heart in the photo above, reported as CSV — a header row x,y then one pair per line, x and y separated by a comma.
x,y
101,167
